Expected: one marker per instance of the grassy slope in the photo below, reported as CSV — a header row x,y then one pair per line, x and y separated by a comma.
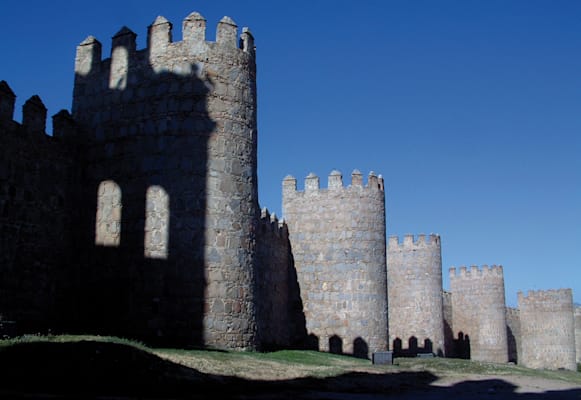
x,y
118,366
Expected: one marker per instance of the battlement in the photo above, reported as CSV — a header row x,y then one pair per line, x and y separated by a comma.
x,y
270,222
546,296
512,312
161,46
335,182
476,273
34,114
410,241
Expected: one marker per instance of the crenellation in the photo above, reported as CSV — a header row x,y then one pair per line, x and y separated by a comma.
x,y
356,179
373,181
289,185
311,183
247,41
476,272
335,180
159,37
34,116
194,28
88,57
411,241
226,33
63,125
7,101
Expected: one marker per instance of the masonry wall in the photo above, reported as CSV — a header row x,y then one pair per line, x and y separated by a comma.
x,y
448,328
513,334
547,329
414,288
578,334
478,312
273,270
37,209
170,185
339,247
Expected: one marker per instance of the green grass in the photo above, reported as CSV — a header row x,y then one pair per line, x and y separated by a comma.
x,y
451,366
72,339
299,363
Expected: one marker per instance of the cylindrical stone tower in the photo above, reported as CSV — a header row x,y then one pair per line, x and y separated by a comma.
x,y
479,312
171,184
414,290
338,242
547,329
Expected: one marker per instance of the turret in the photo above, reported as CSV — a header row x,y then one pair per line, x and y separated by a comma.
x,y
479,311
338,239
547,329
415,322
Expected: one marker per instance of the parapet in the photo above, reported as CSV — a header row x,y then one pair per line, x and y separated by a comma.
x,y
270,223
410,242
476,273
512,312
159,40
335,182
34,114
546,296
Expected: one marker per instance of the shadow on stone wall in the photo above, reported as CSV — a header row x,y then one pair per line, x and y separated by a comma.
x,y
146,278
512,346
413,348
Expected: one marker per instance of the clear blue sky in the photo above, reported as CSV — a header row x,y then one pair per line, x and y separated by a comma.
x,y
469,109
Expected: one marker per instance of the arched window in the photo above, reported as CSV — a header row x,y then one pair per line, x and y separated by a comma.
x,y
156,222
108,219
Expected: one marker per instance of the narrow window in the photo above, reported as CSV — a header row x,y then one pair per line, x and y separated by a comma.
x,y
108,220
156,222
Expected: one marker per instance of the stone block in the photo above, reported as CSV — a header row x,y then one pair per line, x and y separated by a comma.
x,y
382,358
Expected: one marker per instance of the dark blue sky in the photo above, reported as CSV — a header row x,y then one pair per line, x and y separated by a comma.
x,y
469,109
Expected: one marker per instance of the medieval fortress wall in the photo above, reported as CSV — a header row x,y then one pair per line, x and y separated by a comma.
x,y
416,322
37,207
547,329
139,217
578,333
513,334
478,311
338,244
172,129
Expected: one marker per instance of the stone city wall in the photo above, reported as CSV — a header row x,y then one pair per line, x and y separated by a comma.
x,y
37,209
578,334
513,334
547,329
414,289
478,311
339,247
171,144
